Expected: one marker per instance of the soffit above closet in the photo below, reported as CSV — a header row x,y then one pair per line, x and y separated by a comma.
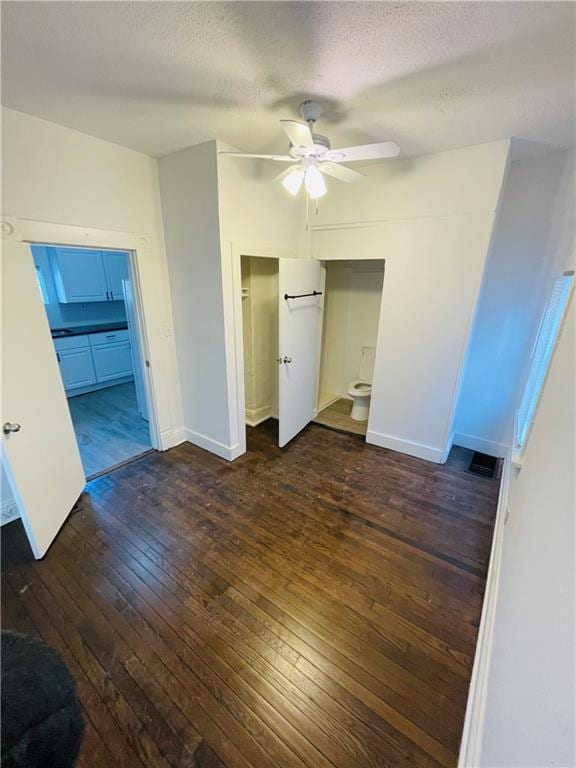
x,y
158,77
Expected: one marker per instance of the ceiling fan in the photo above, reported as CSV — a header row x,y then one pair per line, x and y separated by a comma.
x,y
313,157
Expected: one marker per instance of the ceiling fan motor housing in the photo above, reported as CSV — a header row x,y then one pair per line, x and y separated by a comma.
x,y
311,110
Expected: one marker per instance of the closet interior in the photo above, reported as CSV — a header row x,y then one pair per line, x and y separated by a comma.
x,y
260,331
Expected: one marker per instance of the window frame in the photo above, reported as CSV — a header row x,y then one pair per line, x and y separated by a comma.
x,y
547,337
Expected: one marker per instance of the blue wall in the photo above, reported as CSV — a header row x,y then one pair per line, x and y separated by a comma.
x,y
513,296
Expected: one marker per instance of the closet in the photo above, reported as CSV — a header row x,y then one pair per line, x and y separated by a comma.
x,y
260,331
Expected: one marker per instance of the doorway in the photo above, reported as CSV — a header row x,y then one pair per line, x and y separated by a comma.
x,y
279,318
352,301
90,300
260,335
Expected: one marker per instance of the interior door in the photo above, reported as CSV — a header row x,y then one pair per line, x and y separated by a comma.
x,y
39,446
299,319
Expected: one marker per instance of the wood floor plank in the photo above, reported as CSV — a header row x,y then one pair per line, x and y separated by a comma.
x,y
135,576
309,607
302,646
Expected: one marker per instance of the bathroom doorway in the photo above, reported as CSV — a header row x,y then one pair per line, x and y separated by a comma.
x,y
352,301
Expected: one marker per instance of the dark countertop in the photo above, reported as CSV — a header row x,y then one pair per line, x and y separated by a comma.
x,y
80,330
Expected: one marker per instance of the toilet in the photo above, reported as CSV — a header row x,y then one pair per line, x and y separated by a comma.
x,y
361,389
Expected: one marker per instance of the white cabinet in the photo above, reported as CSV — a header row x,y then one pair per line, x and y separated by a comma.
x,y
79,275
111,355
77,368
116,268
83,275
96,358
75,361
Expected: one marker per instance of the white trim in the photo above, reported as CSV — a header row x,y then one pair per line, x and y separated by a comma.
x,y
178,437
8,512
474,443
472,734
255,416
229,452
447,449
426,452
171,437
368,223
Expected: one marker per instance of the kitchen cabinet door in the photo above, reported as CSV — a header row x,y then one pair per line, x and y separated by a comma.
x,y
76,367
79,275
112,361
116,267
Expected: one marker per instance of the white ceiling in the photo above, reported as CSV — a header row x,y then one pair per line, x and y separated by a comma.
x,y
158,77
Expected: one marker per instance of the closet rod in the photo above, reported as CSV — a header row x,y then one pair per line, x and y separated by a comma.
x,y
302,295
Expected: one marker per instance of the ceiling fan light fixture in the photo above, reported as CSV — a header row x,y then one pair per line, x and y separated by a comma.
x,y
293,181
314,182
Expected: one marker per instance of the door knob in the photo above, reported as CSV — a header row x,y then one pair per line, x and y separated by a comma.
x,y
287,359
8,427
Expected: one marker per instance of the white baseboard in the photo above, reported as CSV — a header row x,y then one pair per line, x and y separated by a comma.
x,y
472,734
405,446
255,416
8,512
178,436
447,449
171,437
229,452
492,448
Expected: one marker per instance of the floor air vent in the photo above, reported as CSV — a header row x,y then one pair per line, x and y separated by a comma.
x,y
482,464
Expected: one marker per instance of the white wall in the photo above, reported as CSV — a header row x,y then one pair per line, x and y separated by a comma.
x,y
431,219
254,210
530,706
54,174
511,300
189,189
353,295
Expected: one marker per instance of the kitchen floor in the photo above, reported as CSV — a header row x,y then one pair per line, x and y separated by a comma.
x,y
108,427
337,416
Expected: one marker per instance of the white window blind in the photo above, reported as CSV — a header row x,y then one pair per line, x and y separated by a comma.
x,y
542,352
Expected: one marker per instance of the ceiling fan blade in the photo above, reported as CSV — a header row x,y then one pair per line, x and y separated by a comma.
x,y
376,151
277,158
341,172
298,133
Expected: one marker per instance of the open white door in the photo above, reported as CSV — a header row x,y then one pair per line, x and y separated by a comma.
x,y
299,319
40,450
134,335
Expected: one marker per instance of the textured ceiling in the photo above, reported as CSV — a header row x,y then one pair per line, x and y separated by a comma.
x,y
161,76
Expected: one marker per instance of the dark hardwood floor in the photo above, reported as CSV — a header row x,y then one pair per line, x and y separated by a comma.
x,y
314,606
